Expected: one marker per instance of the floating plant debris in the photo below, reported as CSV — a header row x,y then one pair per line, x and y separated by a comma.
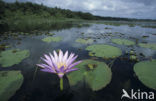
x,y
11,57
3,47
10,82
52,39
107,28
91,66
133,57
91,54
123,42
145,36
147,26
104,51
97,78
85,41
145,71
148,45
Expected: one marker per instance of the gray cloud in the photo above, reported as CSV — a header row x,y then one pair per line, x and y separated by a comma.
x,y
144,9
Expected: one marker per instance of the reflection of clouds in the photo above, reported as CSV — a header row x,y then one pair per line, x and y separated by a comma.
x,y
89,30
136,32
147,52
77,45
102,41
68,35
102,31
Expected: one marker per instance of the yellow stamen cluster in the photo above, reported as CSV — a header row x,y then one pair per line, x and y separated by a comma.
x,y
59,65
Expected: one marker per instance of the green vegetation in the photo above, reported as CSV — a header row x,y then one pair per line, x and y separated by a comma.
x,y
11,57
84,41
92,72
116,22
149,26
26,16
133,57
52,39
148,45
104,51
29,16
3,47
145,71
10,82
123,42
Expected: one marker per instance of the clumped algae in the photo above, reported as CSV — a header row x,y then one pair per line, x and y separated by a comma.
x,y
104,51
10,82
52,39
98,77
145,71
11,57
133,58
123,42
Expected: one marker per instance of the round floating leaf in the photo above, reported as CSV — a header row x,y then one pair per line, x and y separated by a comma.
x,y
145,71
10,82
105,51
84,41
148,45
11,57
52,39
123,42
97,78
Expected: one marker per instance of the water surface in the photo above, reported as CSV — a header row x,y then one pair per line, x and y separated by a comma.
x,y
45,87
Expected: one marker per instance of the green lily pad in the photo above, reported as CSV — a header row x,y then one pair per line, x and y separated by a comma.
x,y
105,51
148,45
10,82
11,57
52,39
123,42
97,78
145,71
85,41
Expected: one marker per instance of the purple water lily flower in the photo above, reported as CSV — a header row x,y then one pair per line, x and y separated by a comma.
x,y
59,64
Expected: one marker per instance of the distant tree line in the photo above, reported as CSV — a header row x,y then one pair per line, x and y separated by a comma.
x,y
19,15
28,8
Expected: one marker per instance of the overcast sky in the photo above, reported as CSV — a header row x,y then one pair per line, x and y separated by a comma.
x,y
145,9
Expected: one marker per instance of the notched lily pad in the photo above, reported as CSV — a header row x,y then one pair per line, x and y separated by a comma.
x,y
11,57
123,42
52,39
148,45
145,71
85,41
97,78
104,51
10,82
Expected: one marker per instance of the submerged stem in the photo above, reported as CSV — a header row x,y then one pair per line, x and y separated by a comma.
x,y
35,73
61,84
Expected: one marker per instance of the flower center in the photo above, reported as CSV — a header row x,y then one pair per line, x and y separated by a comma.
x,y
59,65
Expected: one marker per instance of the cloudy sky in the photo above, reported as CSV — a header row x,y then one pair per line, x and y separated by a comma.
x,y
144,9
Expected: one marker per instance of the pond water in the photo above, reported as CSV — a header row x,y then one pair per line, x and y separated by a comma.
x,y
42,86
